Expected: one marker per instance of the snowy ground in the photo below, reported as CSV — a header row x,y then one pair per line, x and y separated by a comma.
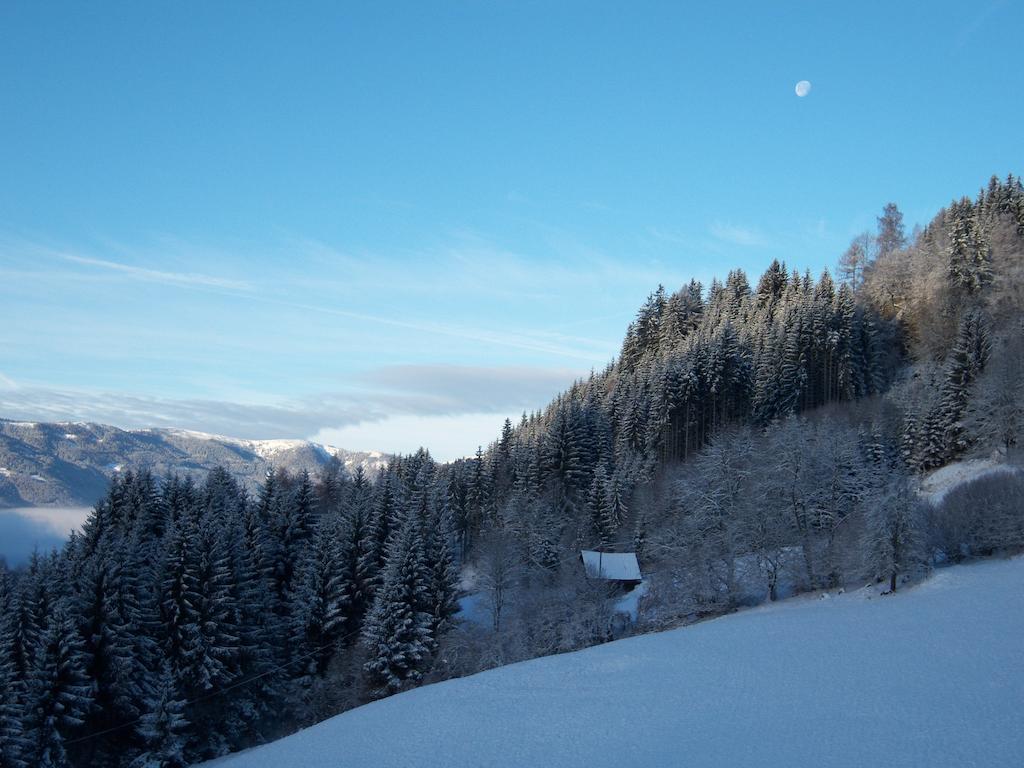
x,y
629,603
932,676
940,482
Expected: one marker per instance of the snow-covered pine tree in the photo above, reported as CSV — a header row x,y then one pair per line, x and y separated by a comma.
x,y
200,641
505,442
996,414
30,606
13,744
257,630
618,499
599,507
845,310
385,512
444,574
59,694
456,493
163,728
944,433
543,532
100,523
768,396
397,633
295,526
478,495
332,486
969,252
640,535
118,651
562,467
359,567
321,601
793,368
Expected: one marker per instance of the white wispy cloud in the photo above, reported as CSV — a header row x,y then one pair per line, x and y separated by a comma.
x,y
460,389
284,418
366,397
673,237
159,276
737,235
534,342
6,382
472,267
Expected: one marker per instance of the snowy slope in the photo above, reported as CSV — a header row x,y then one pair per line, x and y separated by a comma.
x,y
932,676
937,484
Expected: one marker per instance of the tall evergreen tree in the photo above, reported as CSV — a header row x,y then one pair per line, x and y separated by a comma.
x,y
970,255
599,506
322,601
163,728
59,694
398,631
13,744
444,574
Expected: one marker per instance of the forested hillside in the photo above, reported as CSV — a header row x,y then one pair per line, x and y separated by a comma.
x,y
751,439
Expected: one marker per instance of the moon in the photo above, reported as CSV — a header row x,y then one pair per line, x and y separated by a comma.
x,y
803,88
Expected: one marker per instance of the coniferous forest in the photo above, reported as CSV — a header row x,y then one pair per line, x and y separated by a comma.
x,y
754,438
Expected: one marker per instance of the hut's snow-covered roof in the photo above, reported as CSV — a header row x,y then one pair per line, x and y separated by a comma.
x,y
614,566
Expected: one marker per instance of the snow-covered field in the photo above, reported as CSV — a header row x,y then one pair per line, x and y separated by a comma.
x,y
932,676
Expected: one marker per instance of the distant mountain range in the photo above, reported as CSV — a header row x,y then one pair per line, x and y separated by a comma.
x,y
70,463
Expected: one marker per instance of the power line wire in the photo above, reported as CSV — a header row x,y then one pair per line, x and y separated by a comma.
x,y
222,691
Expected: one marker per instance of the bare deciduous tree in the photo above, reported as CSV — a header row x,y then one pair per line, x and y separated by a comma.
x,y
500,566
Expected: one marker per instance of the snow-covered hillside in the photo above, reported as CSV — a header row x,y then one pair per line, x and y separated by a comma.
x,y
932,676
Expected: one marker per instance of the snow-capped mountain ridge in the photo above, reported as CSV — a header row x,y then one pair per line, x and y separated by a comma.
x,y
265,448
70,463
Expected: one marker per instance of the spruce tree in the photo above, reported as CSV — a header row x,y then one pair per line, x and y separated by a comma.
x,y
13,744
561,463
257,629
383,517
444,574
969,252
118,650
944,434
397,634
59,694
322,601
478,496
201,643
358,568
617,500
163,728
599,507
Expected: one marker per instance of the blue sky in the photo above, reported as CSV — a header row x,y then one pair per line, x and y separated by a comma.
x,y
396,224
